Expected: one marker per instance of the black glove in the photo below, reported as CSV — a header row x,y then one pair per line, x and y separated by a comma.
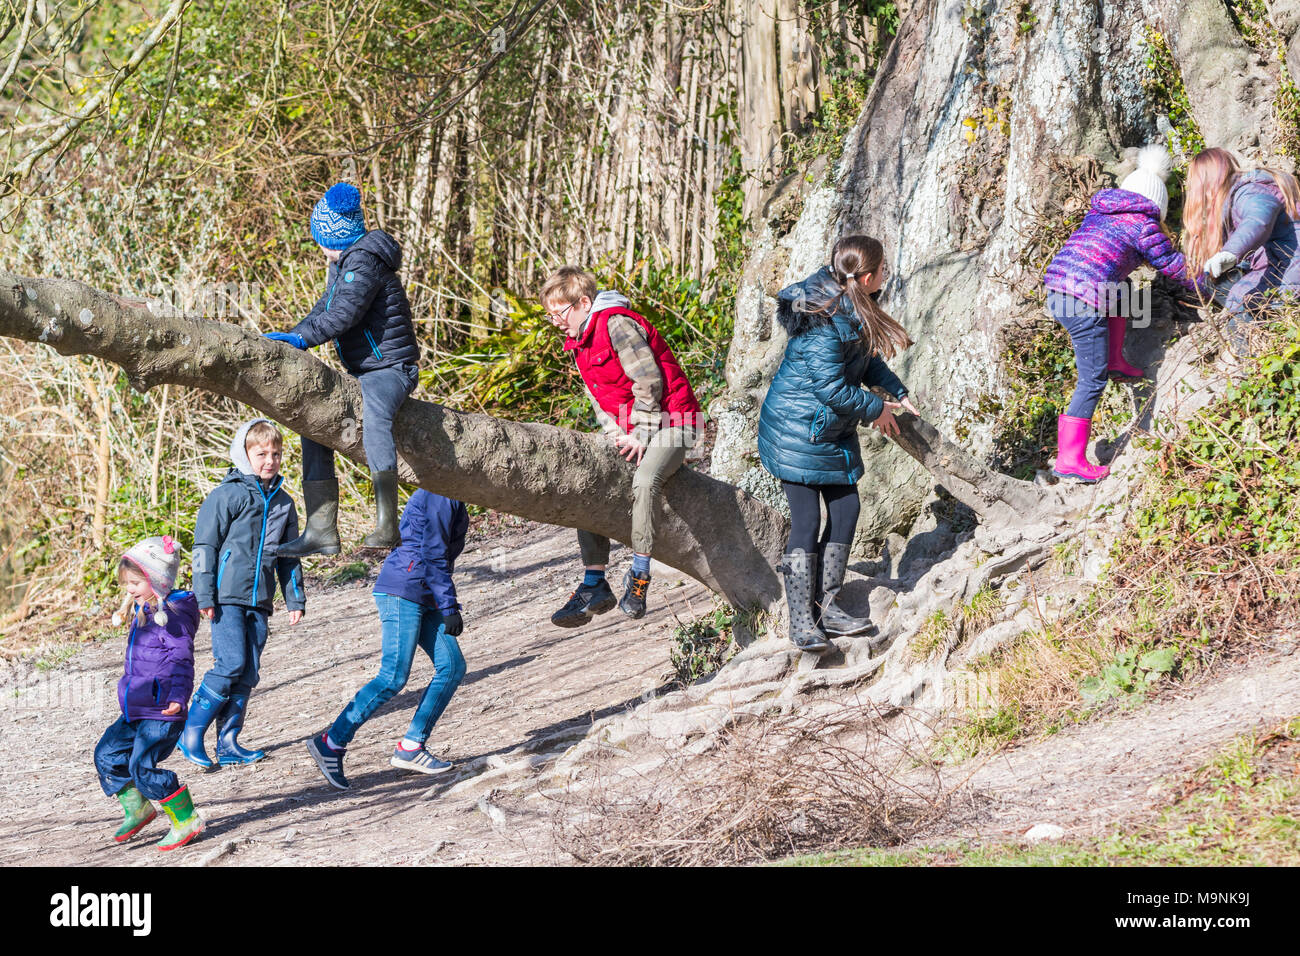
x,y
453,623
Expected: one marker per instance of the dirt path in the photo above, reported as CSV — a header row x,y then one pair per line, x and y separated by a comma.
x,y
530,687
1088,777
532,690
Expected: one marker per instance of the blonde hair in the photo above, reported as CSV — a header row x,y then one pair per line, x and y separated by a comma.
x,y
126,566
1210,177
568,284
263,433
851,257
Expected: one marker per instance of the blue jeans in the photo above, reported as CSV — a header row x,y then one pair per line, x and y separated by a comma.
x,y
1090,336
238,637
382,394
130,751
406,625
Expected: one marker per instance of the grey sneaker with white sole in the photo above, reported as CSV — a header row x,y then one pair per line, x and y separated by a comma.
x,y
421,761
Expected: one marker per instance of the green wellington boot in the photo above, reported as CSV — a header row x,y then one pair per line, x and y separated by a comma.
x,y
138,810
385,537
321,499
186,822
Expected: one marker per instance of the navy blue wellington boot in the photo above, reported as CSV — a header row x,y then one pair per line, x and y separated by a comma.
x,y
231,722
203,711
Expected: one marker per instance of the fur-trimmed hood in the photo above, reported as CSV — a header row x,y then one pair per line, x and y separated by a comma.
x,y
796,306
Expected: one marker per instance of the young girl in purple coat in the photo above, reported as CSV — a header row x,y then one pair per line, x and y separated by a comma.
x,y
1089,295
156,683
1247,221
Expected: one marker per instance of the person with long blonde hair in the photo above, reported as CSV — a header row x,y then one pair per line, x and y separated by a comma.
x,y
1242,229
808,427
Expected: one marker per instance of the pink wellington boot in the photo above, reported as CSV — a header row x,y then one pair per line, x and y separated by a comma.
x,y
1071,450
1116,366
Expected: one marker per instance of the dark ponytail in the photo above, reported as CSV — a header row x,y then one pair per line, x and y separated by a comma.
x,y
853,256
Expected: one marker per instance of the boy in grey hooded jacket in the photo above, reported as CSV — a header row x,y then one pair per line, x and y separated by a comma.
x,y
240,526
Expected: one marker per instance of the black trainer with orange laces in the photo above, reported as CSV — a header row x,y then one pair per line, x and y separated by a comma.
x,y
635,584
584,604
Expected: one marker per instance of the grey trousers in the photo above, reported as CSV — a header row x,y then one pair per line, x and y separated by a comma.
x,y
665,455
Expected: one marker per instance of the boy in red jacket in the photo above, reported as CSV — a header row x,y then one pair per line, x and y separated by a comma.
x,y
645,406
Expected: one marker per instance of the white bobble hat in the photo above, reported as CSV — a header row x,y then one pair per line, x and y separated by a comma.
x,y
1154,166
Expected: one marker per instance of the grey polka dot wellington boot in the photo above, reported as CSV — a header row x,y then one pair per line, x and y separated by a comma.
x,y
800,569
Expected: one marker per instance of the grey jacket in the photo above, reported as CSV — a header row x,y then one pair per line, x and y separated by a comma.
x,y
240,525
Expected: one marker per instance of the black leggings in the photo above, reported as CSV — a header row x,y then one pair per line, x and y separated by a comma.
x,y
842,508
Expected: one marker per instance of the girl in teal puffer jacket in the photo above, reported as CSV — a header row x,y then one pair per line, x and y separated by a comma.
x,y
808,427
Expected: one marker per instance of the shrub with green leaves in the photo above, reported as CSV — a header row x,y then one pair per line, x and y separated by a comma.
x,y
1235,478
701,647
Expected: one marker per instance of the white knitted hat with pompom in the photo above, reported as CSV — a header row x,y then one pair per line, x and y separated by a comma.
x,y
1154,166
159,559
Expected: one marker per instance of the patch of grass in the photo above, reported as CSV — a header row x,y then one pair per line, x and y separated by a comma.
x,y
981,609
56,656
1066,552
1234,481
1241,809
932,635
980,733
353,571
1208,567
969,619
703,645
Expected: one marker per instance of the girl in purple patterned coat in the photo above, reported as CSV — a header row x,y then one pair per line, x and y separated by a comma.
x,y
155,685
1089,294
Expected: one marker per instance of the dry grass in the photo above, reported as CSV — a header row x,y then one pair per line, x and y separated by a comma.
x,y
773,787
91,466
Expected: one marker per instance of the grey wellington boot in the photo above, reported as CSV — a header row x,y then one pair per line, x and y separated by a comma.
x,y
385,536
834,619
800,569
322,535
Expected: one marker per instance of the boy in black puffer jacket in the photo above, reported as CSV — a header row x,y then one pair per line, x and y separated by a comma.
x,y
365,311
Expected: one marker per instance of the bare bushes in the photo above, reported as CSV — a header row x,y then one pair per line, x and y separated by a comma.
x,y
826,779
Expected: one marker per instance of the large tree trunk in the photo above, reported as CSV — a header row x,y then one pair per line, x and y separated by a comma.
x,y
714,532
720,535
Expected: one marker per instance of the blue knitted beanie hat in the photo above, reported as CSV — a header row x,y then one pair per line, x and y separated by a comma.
x,y
336,222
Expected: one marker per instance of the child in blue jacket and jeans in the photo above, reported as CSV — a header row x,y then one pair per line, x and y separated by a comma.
x,y
241,524
417,608
155,685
